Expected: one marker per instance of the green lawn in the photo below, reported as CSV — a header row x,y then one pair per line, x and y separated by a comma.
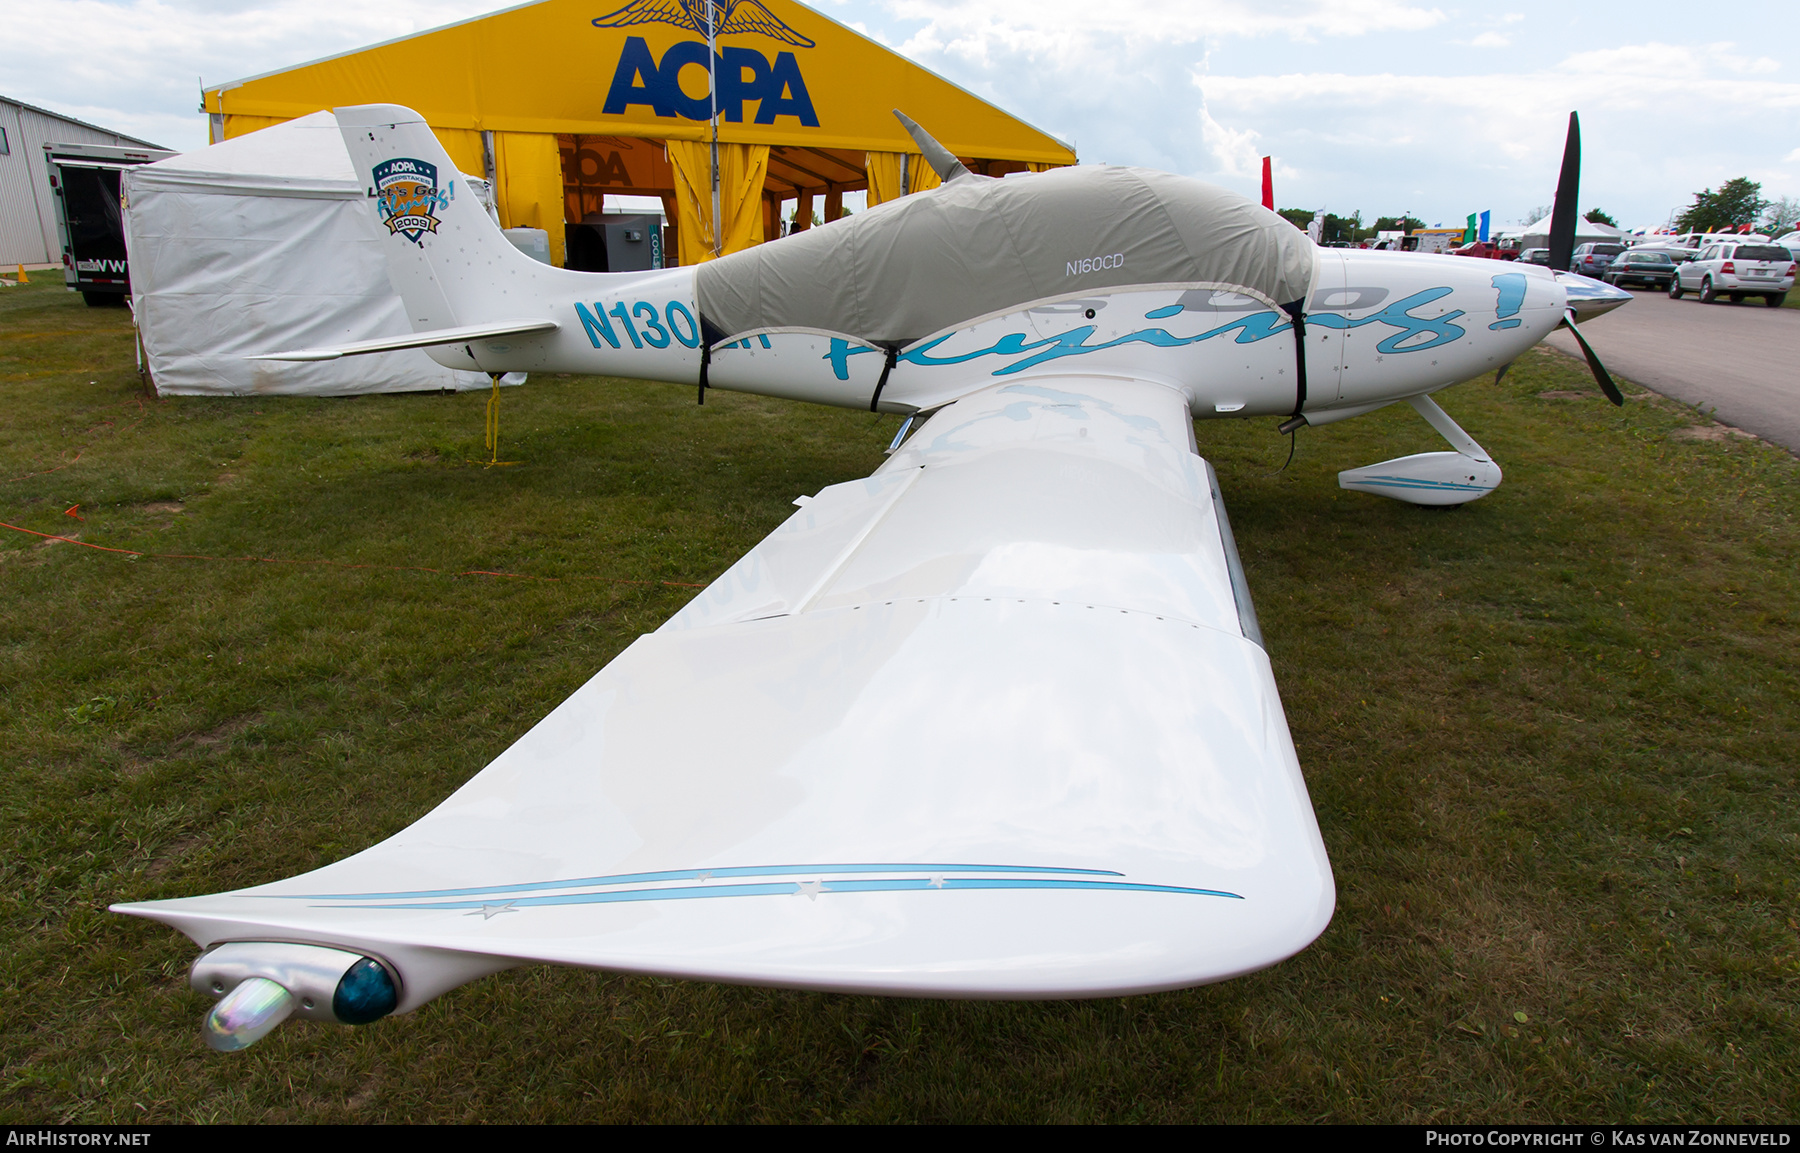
x,y
1549,736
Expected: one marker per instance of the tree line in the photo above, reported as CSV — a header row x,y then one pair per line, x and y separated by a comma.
x,y
1737,203
1349,229
1732,205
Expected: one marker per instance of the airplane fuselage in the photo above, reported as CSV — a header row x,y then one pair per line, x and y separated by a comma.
x,y
1379,327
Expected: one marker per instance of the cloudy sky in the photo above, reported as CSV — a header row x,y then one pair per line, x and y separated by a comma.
x,y
1382,106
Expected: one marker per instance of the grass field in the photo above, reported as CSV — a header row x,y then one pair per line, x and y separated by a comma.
x,y
1550,737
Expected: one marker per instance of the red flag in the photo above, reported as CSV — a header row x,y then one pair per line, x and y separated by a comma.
x,y
1268,184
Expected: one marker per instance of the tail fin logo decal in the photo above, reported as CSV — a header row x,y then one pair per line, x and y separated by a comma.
x,y
407,196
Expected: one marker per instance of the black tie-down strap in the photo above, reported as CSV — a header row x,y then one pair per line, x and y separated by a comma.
x,y
709,336
1292,424
887,366
1296,311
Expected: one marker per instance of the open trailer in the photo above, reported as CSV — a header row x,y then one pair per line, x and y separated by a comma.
x,y
84,179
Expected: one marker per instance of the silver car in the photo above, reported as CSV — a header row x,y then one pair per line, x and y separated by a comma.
x,y
1592,258
1739,271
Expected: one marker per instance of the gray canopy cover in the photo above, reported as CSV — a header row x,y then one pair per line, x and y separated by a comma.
x,y
932,261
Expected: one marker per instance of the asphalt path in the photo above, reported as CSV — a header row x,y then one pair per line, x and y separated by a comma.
x,y
1739,362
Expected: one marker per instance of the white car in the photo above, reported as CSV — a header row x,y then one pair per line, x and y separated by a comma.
x,y
1737,271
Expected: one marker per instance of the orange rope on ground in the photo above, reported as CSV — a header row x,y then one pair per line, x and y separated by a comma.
x,y
48,471
340,564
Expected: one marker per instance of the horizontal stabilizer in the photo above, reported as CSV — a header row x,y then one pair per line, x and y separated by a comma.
x,y
418,340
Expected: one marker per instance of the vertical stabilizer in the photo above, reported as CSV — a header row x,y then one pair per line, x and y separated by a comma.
x,y
447,258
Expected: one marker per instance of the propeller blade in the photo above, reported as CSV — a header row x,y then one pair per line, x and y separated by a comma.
x,y
1562,216
942,161
1600,375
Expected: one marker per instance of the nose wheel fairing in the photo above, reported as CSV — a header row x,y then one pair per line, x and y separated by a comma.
x,y
1430,478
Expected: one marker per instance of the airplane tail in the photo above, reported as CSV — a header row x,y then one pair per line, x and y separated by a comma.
x,y
461,279
449,261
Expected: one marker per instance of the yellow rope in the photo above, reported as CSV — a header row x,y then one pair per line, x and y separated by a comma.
x,y
493,421
493,426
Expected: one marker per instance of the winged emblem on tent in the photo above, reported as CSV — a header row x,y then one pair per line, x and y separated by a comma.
x,y
738,17
1001,711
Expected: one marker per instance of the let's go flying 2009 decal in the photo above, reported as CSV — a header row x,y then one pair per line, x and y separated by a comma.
x,y
742,73
408,197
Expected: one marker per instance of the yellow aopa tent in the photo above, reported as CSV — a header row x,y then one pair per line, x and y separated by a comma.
x,y
563,101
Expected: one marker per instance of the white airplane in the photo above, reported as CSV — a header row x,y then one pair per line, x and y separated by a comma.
x,y
995,721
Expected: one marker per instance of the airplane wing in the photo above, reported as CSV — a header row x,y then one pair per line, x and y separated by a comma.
x,y
994,722
418,340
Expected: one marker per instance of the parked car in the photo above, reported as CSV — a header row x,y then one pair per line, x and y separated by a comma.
x,y
1674,252
1641,266
1591,259
1738,271
1486,249
1791,242
1535,256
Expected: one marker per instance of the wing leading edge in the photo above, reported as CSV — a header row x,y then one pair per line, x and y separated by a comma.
x,y
989,723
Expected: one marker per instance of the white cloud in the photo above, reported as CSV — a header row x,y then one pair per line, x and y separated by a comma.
x,y
1204,87
136,65
1234,152
1668,61
1063,30
1506,105
1497,137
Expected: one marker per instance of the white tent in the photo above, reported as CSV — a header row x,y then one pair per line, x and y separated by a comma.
x,y
263,243
1538,235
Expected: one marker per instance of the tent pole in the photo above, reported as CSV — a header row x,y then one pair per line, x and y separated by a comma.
x,y
712,96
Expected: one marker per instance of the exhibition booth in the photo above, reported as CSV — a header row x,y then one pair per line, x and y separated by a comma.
x,y
564,102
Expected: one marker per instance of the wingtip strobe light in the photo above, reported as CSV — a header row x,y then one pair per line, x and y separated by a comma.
x,y
260,984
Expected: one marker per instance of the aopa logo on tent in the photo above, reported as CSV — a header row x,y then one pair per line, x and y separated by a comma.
x,y
743,73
